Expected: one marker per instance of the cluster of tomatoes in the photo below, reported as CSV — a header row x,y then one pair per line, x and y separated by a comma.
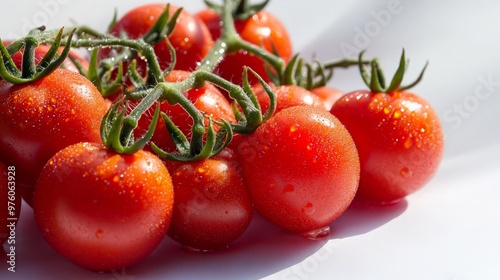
x,y
193,150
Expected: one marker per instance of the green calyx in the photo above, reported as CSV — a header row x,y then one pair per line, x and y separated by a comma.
x,y
242,8
376,80
117,129
31,71
214,143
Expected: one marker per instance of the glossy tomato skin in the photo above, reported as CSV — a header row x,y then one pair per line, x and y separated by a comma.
x,y
190,37
286,96
262,29
10,201
399,139
212,205
302,169
38,119
207,99
328,95
102,210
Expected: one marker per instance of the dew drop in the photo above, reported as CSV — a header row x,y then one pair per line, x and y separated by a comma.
x,y
293,128
405,172
317,233
387,110
397,114
308,209
201,170
116,179
408,143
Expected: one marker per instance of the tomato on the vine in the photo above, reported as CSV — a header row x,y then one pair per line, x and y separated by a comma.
x,y
302,169
40,118
103,210
212,205
262,29
190,37
10,201
399,139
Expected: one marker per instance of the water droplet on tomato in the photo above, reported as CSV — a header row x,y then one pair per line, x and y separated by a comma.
x,y
317,233
406,172
408,143
308,209
201,170
387,110
288,188
293,128
99,233
397,114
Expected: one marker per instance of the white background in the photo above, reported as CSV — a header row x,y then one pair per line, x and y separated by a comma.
x,y
449,230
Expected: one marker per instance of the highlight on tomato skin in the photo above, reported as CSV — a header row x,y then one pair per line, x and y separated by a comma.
x,y
102,210
399,139
302,169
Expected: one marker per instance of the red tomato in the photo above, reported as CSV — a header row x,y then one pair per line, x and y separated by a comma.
x,y
190,37
399,139
102,210
10,201
42,50
207,99
262,29
212,205
38,119
329,95
302,169
286,96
